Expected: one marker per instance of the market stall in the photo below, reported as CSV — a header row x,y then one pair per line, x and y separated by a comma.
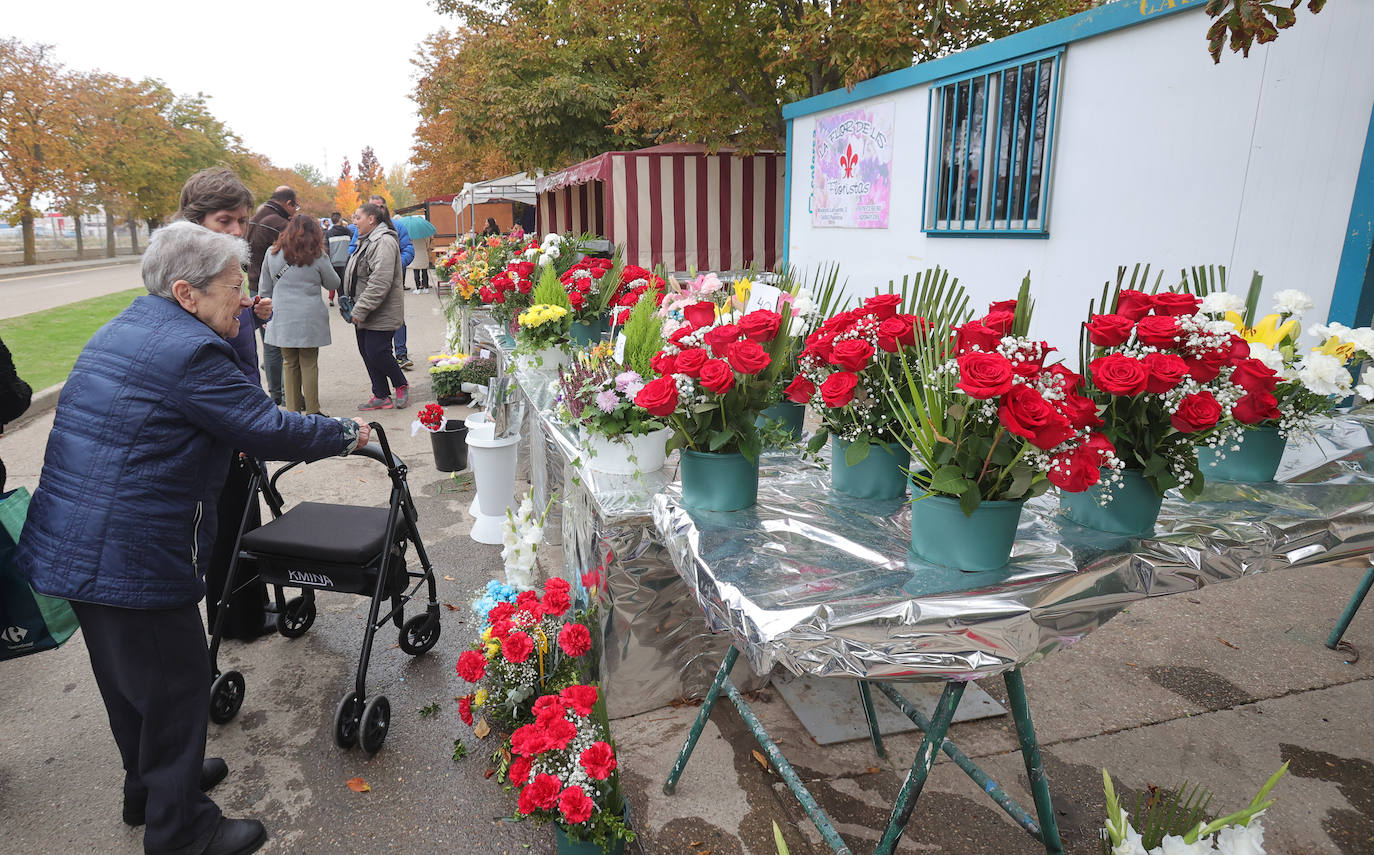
x,y
678,205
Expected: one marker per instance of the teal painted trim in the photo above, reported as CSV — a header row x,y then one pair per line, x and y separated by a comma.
x,y
1085,25
987,233
1047,168
787,195
1352,300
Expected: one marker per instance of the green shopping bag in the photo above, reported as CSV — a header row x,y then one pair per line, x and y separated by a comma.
x,y
29,621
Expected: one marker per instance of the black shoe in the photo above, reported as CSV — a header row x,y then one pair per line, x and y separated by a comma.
x,y
236,837
212,771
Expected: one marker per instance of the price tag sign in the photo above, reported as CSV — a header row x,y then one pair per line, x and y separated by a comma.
x,y
762,296
485,354
620,348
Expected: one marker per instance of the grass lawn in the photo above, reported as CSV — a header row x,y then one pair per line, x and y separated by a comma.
x,y
45,344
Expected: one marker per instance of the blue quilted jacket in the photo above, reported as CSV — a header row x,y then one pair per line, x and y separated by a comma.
x,y
124,512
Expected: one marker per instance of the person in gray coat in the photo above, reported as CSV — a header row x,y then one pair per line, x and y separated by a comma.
x,y
296,274
373,280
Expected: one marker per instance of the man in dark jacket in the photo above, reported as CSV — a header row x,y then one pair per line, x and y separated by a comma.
x,y
263,230
124,515
338,240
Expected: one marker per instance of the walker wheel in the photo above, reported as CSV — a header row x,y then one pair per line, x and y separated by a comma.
x,y
419,634
346,720
296,617
376,722
226,696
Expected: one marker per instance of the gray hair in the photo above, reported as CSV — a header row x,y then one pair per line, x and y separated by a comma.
x,y
184,250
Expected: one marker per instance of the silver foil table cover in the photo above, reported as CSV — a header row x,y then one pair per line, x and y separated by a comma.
x,y
656,648
822,584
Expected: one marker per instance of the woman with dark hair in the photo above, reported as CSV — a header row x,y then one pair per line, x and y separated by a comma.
x,y
374,280
296,273
492,228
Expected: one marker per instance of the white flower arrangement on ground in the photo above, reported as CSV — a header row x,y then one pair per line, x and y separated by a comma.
x,y
520,539
1172,825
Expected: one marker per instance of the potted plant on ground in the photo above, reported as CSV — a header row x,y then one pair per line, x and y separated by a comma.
x,y
714,379
989,425
1285,388
597,395
1160,375
565,770
447,438
446,378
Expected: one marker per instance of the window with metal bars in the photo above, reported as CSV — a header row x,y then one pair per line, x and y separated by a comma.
x,y
990,144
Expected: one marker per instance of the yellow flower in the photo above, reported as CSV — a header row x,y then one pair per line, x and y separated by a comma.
x,y
1268,331
492,649
479,697
742,288
486,634
1333,346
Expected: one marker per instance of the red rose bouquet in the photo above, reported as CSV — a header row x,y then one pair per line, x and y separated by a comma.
x,y
983,416
1164,377
530,647
565,769
635,281
587,283
715,375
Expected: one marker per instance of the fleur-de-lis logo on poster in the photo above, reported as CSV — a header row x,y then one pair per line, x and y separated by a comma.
x,y
849,160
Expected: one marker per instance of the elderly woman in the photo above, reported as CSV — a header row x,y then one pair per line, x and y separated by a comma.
x,y
124,515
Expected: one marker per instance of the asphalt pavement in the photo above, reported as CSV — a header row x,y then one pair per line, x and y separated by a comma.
x,y
1217,687
46,286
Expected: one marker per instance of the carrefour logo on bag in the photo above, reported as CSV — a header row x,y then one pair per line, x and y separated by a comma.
x,y
15,635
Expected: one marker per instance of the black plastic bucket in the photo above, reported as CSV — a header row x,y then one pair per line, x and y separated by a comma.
x,y
450,447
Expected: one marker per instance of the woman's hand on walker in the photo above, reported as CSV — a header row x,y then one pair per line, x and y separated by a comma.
x,y
364,433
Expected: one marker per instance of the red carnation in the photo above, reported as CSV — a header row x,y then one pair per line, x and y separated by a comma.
x,y
557,584
689,361
800,390
1196,412
720,338
1133,304
760,325
559,732
1109,330
1175,304
465,710
524,286
658,397
699,314
524,268
539,794
501,628
1118,374
529,740
718,376
984,375
1158,331
1025,413
581,698
472,666
837,390
1256,407
883,306
556,603
598,760
748,357
548,708
517,647
519,771
528,601
852,355
575,639
574,805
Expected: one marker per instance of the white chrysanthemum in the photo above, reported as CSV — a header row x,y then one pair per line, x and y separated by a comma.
x,y
1362,338
1292,302
1218,328
1321,332
1266,354
1220,302
1324,375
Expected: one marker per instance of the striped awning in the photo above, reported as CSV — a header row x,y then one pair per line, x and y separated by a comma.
x,y
674,205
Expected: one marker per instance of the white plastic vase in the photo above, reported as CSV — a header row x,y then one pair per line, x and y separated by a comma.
x,y
612,456
493,468
548,360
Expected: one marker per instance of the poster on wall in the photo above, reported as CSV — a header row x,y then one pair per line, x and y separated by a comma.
x,y
851,168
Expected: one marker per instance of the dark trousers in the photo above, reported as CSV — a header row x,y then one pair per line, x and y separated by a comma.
x,y
339,272
375,347
421,277
153,670
246,616
271,366
399,337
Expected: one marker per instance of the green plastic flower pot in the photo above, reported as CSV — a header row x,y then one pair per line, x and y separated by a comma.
x,y
880,475
585,335
1261,449
719,482
942,534
568,846
1133,508
790,414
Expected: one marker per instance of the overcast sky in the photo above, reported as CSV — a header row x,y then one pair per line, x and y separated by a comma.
x,y
260,64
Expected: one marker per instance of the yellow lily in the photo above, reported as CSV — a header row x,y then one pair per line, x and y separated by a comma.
x,y
1268,331
1333,346
742,288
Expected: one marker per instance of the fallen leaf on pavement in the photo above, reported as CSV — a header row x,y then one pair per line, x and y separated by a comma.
x,y
358,785
481,730
450,578
1227,643
451,607
873,770
758,755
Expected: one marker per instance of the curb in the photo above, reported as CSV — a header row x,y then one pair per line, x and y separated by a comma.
x,y
60,266
42,402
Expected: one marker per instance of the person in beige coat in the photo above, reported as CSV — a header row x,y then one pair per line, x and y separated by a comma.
x,y
374,279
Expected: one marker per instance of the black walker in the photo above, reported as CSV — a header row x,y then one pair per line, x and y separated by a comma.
x,y
342,548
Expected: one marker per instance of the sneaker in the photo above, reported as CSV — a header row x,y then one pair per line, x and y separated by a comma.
x,y
375,403
405,363
402,396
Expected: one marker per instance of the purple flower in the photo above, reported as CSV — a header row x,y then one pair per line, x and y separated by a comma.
x,y
607,401
625,379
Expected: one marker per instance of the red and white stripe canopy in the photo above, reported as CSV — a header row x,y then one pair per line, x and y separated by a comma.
x,y
674,205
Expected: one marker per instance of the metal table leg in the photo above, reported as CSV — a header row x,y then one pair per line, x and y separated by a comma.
x,y
1035,768
920,768
873,732
702,715
1353,606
